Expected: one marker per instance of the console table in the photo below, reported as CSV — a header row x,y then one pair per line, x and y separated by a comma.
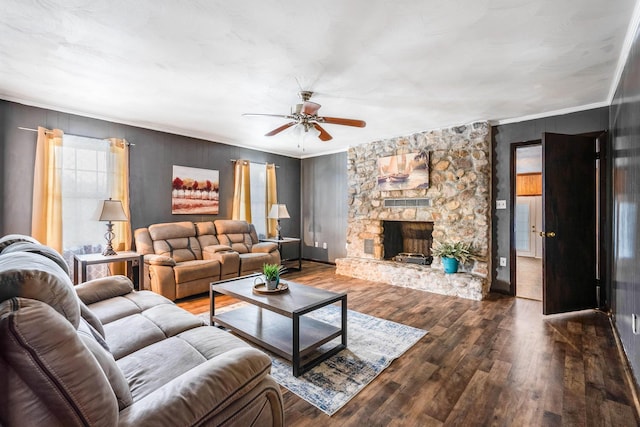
x,y
284,241
80,263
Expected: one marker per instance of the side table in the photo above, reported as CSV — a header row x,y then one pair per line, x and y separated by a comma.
x,y
284,241
80,263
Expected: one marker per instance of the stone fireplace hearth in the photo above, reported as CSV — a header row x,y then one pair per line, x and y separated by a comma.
x,y
456,206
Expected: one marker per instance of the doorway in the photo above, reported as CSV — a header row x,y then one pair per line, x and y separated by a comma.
x,y
573,176
528,221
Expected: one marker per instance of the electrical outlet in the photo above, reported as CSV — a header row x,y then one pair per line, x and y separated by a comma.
x,y
501,204
503,261
315,244
324,245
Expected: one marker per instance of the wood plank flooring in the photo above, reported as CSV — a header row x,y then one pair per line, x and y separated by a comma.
x,y
529,277
497,362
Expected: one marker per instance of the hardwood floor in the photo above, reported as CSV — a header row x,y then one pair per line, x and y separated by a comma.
x,y
529,278
497,362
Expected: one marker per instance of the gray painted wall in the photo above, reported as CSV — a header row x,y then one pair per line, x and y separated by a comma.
x,y
151,162
324,212
625,137
505,135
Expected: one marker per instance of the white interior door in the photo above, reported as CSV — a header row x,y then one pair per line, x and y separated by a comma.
x,y
537,225
528,223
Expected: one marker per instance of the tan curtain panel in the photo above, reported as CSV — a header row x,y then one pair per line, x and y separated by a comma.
x,y
120,191
242,191
271,199
46,214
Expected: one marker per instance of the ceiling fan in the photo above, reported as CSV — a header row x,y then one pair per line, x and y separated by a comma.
x,y
306,114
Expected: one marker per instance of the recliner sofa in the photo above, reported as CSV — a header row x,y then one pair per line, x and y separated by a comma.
x,y
102,354
183,258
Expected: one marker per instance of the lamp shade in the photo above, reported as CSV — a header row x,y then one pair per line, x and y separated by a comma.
x,y
112,210
278,212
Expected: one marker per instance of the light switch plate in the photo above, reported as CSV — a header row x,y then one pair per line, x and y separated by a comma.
x,y
503,261
501,204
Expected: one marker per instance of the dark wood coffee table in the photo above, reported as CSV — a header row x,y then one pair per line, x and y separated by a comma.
x,y
276,321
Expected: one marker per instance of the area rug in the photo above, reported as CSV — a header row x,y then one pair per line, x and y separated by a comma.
x,y
372,344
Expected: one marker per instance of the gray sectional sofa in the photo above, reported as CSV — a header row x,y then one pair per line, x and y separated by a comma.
x,y
102,354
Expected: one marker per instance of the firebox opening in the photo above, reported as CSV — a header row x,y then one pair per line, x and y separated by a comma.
x,y
408,241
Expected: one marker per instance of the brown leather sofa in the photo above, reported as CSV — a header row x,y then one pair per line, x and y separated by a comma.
x,y
183,258
102,354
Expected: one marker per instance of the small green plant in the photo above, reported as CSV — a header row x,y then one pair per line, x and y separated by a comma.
x,y
463,252
272,271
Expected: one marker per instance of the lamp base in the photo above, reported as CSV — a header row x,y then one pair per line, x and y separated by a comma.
x,y
109,235
109,251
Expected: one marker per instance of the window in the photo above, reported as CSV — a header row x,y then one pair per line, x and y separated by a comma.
x,y
86,169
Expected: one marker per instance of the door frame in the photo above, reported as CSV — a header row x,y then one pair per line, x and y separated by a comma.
x,y
512,212
603,221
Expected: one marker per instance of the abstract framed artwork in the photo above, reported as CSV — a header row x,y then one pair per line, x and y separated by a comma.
x,y
405,170
195,191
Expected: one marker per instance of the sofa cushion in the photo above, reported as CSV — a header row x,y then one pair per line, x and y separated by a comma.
x,y
180,249
153,366
176,240
143,242
38,249
206,233
195,270
112,309
106,361
48,356
10,239
172,230
90,317
28,275
254,261
147,327
104,288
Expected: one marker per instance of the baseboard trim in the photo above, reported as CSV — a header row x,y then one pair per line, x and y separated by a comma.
x,y
628,370
317,260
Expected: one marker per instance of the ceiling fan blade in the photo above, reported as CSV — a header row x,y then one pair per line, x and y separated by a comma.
x,y
280,129
324,135
310,108
346,122
286,116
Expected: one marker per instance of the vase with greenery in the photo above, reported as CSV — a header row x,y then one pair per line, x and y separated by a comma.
x,y
451,254
271,274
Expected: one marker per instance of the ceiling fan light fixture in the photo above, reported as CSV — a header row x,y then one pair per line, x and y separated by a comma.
x,y
306,114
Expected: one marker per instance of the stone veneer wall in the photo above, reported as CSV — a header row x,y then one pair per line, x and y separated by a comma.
x,y
459,190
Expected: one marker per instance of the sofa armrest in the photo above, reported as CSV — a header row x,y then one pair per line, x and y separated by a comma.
x,y
103,288
265,247
202,393
153,259
217,248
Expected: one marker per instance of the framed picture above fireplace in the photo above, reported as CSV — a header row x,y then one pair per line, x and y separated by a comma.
x,y
405,170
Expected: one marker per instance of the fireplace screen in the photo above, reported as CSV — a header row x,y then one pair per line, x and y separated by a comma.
x,y
408,241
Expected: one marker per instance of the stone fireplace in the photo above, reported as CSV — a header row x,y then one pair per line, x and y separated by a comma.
x,y
455,206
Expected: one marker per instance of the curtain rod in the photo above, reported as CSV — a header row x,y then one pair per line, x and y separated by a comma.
x,y
255,163
72,134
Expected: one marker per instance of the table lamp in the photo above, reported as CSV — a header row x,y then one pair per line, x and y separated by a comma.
x,y
111,211
277,212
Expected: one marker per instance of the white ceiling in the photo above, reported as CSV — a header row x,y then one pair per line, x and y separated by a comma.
x,y
403,66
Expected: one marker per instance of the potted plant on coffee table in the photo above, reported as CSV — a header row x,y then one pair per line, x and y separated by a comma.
x,y
271,274
451,254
